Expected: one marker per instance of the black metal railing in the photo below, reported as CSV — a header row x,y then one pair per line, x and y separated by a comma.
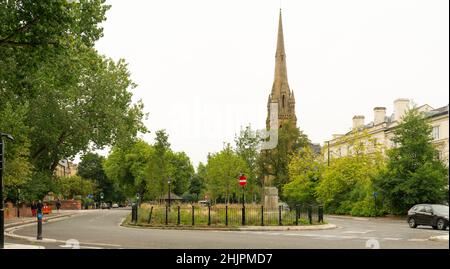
x,y
227,215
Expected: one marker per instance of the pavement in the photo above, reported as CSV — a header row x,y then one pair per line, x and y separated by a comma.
x,y
102,229
25,220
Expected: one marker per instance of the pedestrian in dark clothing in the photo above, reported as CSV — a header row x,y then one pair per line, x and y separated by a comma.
x,y
39,207
33,208
58,205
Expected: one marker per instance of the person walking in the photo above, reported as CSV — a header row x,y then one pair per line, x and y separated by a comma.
x,y
33,208
39,207
58,205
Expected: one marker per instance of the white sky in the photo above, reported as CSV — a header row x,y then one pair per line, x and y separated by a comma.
x,y
205,67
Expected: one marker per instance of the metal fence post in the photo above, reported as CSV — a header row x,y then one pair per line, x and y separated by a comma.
x,y
179,218
262,215
209,214
296,215
167,215
310,214
193,216
137,208
279,216
226,215
150,215
320,214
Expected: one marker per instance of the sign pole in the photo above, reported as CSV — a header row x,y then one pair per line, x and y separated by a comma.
x,y
2,206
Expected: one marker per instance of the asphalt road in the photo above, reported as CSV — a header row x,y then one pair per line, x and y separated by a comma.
x,y
101,229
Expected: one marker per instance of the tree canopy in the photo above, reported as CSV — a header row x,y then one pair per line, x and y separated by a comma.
x,y
414,172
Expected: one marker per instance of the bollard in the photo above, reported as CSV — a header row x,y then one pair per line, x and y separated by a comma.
x,y
279,216
262,215
296,215
179,218
193,216
39,227
150,215
226,215
167,215
209,215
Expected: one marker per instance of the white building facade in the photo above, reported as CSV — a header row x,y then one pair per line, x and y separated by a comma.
x,y
379,131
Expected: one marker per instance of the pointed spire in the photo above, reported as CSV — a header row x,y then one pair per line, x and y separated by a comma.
x,y
280,61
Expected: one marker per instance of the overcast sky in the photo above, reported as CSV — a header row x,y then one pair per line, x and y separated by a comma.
x,y
204,68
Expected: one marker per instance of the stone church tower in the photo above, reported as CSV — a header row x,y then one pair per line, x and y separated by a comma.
x,y
281,93
282,98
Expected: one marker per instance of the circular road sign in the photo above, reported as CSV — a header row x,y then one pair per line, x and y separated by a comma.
x,y
242,180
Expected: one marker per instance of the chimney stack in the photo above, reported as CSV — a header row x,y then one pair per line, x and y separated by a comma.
x,y
358,121
401,105
379,115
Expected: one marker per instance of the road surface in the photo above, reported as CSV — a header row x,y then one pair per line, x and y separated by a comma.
x,y
101,229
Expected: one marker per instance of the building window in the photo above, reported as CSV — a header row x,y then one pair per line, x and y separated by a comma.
x,y
435,132
284,101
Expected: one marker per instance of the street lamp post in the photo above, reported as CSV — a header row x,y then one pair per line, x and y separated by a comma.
x,y
2,208
168,181
18,203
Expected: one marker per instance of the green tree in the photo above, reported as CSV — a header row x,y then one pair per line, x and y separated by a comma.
x,y
74,98
18,169
73,186
305,172
275,162
196,187
414,173
127,167
346,186
181,172
222,172
247,144
160,169
91,168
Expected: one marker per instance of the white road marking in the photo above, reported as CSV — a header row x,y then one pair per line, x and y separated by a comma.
x,y
358,232
418,240
392,238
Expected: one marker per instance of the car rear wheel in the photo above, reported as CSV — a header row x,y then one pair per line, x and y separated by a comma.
x,y
412,223
441,224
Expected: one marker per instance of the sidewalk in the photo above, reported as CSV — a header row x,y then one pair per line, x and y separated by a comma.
x,y
387,217
245,228
19,221
439,238
22,246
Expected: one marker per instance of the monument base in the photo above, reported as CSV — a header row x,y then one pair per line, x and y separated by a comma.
x,y
270,198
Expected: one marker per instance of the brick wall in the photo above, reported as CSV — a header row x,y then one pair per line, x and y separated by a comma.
x,y
11,211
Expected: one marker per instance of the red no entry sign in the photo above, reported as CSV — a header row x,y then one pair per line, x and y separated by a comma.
x,y
242,180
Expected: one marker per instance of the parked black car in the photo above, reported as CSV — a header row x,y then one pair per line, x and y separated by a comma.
x,y
435,216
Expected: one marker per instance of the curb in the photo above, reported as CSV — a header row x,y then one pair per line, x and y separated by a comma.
x,y
22,246
241,229
440,238
9,231
16,224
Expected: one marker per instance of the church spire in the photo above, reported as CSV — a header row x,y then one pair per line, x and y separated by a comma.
x,y
280,80
281,93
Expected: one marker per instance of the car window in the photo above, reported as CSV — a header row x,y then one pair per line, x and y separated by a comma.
x,y
441,209
428,209
420,208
